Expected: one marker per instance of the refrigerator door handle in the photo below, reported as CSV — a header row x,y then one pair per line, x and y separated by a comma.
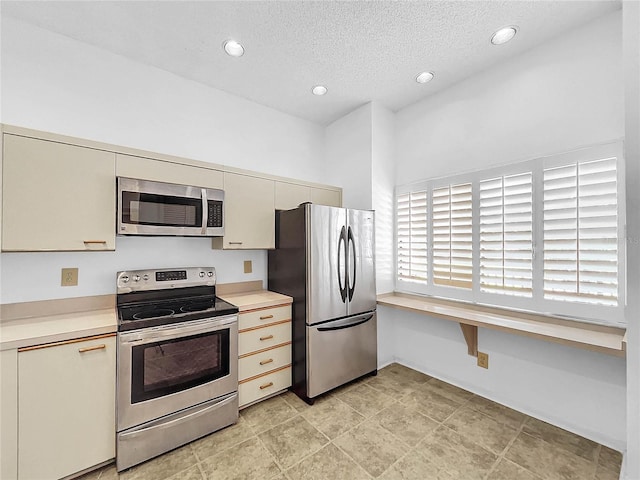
x,y
349,324
352,263
341,276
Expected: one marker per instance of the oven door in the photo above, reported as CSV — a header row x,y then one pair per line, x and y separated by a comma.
x,y
162,370
156,208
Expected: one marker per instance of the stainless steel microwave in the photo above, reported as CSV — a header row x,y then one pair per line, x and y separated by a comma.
x,y
156,208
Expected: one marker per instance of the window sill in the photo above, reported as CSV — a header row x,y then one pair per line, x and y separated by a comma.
x,y
599,338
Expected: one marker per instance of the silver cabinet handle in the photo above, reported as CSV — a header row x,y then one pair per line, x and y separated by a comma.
x,y
235,243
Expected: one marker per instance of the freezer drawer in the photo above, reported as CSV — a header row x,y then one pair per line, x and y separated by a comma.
x,y
340,351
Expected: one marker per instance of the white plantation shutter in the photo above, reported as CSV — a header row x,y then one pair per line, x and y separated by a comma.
x,y
506,238
452,235
580,232
411,212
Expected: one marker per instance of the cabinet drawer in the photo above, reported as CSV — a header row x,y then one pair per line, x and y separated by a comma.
x,y
262,338
260,363
258,388
263,317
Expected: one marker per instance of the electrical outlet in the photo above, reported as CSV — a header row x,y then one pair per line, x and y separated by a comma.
x,y
69,277
248,266
483,360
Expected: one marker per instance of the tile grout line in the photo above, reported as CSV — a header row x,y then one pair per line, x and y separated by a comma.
x,y
501,456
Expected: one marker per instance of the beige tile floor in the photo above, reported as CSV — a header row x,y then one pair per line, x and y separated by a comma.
x,y
399,425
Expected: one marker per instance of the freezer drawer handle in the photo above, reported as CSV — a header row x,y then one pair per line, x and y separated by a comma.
x,y
268,337
348,325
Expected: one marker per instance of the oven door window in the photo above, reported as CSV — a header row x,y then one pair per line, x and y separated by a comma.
x,y
170,366
161,210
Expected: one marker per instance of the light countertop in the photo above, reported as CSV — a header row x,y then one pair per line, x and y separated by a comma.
x,y
25,332
256,299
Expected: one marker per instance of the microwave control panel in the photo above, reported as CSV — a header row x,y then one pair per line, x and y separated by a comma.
x,y
214,219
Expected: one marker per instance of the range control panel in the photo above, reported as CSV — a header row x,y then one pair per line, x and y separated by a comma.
x,y
138,280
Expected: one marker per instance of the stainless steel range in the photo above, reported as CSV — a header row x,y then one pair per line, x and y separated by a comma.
x,y
177,374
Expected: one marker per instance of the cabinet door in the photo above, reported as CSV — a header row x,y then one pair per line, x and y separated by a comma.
x,y
290,195
249,209
161,171
322,196
9,415
57,196
66,405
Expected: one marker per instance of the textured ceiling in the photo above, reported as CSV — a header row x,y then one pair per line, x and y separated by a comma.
x,y
360,50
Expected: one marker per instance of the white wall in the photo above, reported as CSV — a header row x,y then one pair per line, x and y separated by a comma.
x,y
556,97
631,48
382,190
348,157
52,83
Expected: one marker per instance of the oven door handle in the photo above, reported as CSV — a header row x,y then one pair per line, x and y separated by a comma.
x,y
177,330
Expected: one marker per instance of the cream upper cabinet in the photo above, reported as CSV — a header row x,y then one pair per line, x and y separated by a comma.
x,y
66,407
323,196
56,196
249,218
162,171
290,195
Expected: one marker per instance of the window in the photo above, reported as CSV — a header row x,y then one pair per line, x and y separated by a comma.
x,y
452,235
542,235
506,235
581,232
411,211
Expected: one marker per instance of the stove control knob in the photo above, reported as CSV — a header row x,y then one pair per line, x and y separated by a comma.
x,y
136,278
125,279
145,277
201,274
210,274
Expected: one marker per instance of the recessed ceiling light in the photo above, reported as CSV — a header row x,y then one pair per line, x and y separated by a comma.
x,y
233,48
424,77
504,35
319,90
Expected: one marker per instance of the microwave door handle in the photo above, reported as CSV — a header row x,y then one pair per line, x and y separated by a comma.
x,y
205,210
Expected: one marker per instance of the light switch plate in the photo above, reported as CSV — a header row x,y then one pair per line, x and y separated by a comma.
x,y
248,266
69,277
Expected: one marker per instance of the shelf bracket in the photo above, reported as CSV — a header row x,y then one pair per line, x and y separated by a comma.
x,y
470,333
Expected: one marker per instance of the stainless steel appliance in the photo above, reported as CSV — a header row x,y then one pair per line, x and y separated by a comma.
x,y
156,208
177,361
324,259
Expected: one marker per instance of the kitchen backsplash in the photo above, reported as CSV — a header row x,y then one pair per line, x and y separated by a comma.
x,y
36,276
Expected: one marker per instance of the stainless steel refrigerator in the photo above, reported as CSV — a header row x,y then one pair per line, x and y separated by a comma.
x,y
324,259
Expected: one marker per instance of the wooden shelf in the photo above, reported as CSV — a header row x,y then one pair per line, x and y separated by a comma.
x,y
599,338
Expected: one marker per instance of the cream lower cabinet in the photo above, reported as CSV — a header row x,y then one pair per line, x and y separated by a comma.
x,y
249,220
9,415
56,196
264,349
66,407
